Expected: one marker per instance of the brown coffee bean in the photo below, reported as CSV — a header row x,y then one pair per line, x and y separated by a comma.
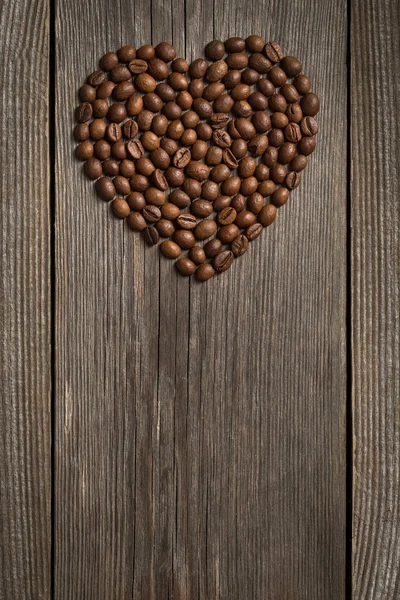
x,y
199,150
293,133
130,129
238,202
229,158
201,208
250,76
235,44
231,186
118,150
227,216
245,218
198,68
145,52
96,78
137,66
220,173
273,51
165,228
109,61
185,266
202,108
209,190
170,211
196,88
83,112
309,126
174,176
175,130
155,196
126,53
197,170
159,125
253,231
262,172
123,91
165,91
267,215
179,198
213,156
222,138
302,84
266,188
136,221
151,236
214,50
255,202
134,105
294,113
213,91
165,51
145,83
270,156
240,245
144,120
205,272
184,238
306,145
279,120
120,73
160,158
299,163
117,112
186,221
258,144
276,137
277,103
248,186
81,132
93,168
259,63
87,93
266,87
280,196
290,93
136,201
191,187
169,146
237,60
232,78
291,65
84,151
178,81
205,229
292,180
102,150
159,180
241,108
144,166
223,104
139,183
204,131
247,166
158,69
121,208
258,101
151,213
197,255
153,102
221,202
135,149
278,173
227,233
241,92
239,148
287,152
255,43
212,248
105,188
181,158
180,65
245,128
223,261
122,185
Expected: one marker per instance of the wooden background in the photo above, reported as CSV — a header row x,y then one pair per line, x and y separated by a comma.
x,y
162,439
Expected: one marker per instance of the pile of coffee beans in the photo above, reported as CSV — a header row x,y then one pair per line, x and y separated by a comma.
x,y
200,155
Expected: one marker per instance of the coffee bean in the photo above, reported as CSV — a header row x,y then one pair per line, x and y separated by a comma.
x,y
197,170
155,196
93,168
136,201
84,112
270,156
245,128
220,173
169,146
135,149
213,91
170,211
209,190
198,68
273,52
248,186
117,112
227,233
278,103
181,158
174,176
250,76
96,78
255,43
136,221
122,185
100,109
202,107
241,108
145,83
165,228
151,213
237,60
153,102
238,202
197,255
105,188
229,158
191,187
222,138
158,69
293,133
178,81
121,208
307,145
245,218
235,44
205,272
150,141
267,215
227,216
159,180
310,104
292,180
276,137
109,61
240,245
123,91
102,150
201,208
139,183
204,132
144,166
232,78
309,126
262,172
214,156
266,188
259,63
221,202
241,92
290,93
186,221
302,84
291,65
294,113
258,101
120,73
280,196
212,248
279,120
219,120
299,163
223,104
239,148
287,152
199,150
215,50
165,51
84,151
255,202
180,65
188,137
134,105
223,261
130,129
81,132
87,93
231,186
266,87
126,53
185,100
145,52
254,231
151,236
118,150
258,144
278,173
205,229
185,266
184,238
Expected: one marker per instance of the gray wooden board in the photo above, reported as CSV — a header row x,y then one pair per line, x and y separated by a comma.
x,y
200,429
375,265
25,382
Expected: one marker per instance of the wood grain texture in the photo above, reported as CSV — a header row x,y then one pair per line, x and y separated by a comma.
x,y
25,383
200,429
375,264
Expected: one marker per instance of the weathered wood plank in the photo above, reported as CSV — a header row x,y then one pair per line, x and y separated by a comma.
x,y
25,361
375,265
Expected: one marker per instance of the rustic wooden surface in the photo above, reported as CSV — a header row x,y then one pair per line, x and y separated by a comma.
x,y
199,440
375,263
25,380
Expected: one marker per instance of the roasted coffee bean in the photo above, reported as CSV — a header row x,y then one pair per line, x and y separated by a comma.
x,y
84,112
172,110
279,120
287,152
197,255
215,50
277,103
205,272
309,126
245,129
237,60
159,180
250,76
93,168
151,236
240,245
96,78
126,53
153,102
266,188
137,66
213,91
299,163
242,108
134,105
278,173
130,129
184,238
255,202
292,180
151,213
259,63
229,158
159,125
190,119
136,201
122,185
253,231
261,172
227,216
179,198
239,148
165,51
267,215
258,144
145,52
238,202
185,266
231,79
204,131
293,133
205,229
221,202
165,91
178,81
306,145
144,166
209,190
81,132
302,84
174,176
170,211
123,91
120,73
184,100
109,61
136,221
276,137
245,218
145,120
231,186
220,173
87,93
203,108
294,113
290,93
270,156
180,65
227,233
145,83
212,248
105,188
118,150
310,104
197,170
222,138
196,88
199,150
198,68
247,166
266,87
160,159
121,208
158,69
181,158
165,228
135,149
258,101
100,109
291,65
105,90
255,43
241,92
280,196
155,196
139,183
192,187
235,44
188,137
117,112
218,120
102,150
223,261
273,51
186,221
201,208
84,151
169,146
214,155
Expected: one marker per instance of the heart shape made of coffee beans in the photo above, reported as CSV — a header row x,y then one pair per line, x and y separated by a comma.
x,y
201,154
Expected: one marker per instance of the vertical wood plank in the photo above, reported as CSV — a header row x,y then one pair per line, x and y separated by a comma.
x,y
25,360
375,265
